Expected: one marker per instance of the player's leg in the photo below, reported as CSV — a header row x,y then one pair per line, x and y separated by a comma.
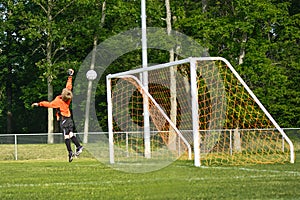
x,y
79,148
68,145
67,138
74,139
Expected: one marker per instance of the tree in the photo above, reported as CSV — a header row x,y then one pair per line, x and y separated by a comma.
x,y
173,95
99,25
246,33
40,39
11,62
45,43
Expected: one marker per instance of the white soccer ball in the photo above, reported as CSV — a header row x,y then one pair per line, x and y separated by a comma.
x,y
91,75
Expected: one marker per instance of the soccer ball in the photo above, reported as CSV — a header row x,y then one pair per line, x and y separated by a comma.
x,y
91,75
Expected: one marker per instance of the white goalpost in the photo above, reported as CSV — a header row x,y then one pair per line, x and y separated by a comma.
x,y
218,119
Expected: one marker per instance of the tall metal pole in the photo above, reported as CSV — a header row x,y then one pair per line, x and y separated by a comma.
x,y
145,81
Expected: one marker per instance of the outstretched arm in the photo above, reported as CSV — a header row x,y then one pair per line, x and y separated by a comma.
x,y
47,104
56,103
69,81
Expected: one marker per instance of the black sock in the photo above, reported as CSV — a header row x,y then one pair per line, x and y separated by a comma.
x,y
75,141
68,144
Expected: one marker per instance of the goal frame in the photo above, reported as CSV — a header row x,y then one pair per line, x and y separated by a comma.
x,y
194,98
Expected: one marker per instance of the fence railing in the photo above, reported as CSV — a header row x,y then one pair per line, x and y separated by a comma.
x,y
36,146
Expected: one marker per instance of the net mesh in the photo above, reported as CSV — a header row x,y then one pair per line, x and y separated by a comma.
x,y
247,135
129,139
234,129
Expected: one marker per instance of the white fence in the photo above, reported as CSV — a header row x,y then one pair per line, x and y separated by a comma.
x,y
35,146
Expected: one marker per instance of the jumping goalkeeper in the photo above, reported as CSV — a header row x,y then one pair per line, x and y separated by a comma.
x,y
62,103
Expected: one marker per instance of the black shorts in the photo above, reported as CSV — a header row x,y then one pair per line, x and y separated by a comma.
x,y
66,125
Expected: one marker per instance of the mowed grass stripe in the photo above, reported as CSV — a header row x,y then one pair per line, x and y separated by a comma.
x,y
99,183
86,178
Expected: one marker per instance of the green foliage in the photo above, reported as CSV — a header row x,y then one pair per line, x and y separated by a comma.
x,y
38,46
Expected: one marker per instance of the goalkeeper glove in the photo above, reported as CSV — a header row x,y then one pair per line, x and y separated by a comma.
x,y
70,72
34,105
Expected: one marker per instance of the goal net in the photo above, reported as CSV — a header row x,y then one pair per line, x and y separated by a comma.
x,y
196,108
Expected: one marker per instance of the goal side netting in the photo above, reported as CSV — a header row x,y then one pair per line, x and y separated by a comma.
x,y
196,108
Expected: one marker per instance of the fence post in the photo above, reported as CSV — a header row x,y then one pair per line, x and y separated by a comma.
x,y
230,141
16,148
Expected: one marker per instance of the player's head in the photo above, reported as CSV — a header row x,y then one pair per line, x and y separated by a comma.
x,y
66,94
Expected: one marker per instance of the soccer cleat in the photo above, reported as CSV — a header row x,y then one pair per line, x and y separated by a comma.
x,y
71,155
79,150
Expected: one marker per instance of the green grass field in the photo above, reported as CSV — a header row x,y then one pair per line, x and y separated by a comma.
x,y
87,178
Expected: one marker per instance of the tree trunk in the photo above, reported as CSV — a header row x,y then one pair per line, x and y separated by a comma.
x,y
49,69
242,50
89,92
204,10
9,99
88,101
50,113
172,138
204,6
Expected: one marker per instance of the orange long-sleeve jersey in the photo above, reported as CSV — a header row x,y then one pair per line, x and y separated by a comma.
x,y
59,103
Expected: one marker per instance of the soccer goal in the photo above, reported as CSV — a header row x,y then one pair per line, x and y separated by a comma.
x,y
198,108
